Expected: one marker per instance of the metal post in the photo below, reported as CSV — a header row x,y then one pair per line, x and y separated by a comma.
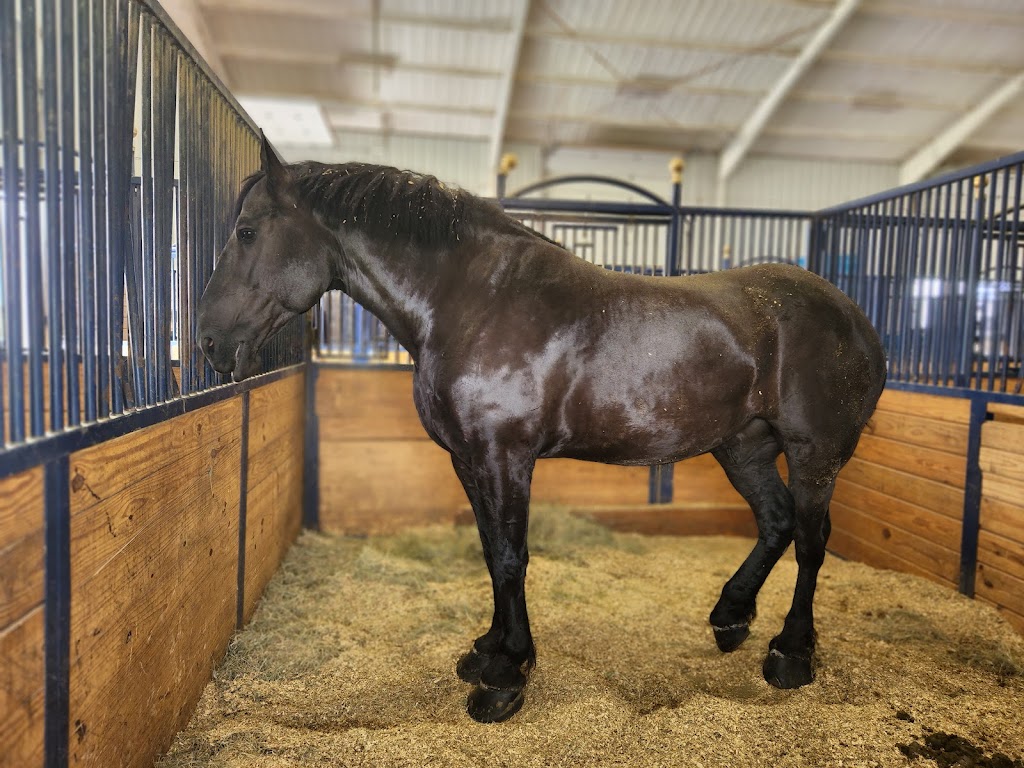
x,y
675,167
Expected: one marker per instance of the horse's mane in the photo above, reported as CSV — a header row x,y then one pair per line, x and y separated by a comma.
x,y
387,201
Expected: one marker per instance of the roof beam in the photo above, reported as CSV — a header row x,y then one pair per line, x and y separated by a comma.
x,y
934,152
751,129
497,139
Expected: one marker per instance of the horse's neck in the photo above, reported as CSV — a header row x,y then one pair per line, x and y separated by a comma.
x,y
397,283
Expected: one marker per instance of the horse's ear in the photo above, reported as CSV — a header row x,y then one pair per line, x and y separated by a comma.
x,y
279,180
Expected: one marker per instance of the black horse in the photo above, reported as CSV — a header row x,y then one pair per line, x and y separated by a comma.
x,y
523,351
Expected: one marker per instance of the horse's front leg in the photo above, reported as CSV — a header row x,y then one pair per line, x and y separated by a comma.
x,y
502,658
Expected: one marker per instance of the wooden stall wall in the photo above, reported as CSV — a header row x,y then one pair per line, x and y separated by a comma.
x,y
899,503
1000,573
274,481
22,671
154,571
379,471
154,568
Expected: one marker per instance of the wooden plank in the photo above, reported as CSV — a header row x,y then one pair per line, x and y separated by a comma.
x,y
1001,588
1007,555
276,408
1015,620
929,494
22,547
1004,412
1002,518
1003,435
567,481
849,546
994,461
366,405
687,519
941,466
381,486
902,514
1003,489
951,409
273,507
288,447
22,692
927,555
100,472
929,433
142,645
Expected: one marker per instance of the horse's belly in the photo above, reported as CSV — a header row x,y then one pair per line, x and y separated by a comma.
x,y
659,441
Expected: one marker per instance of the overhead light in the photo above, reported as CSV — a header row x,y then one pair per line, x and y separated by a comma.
x,y
289,121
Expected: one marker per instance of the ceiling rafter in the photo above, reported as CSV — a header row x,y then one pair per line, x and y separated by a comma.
x,y
504,100
925,160
751,129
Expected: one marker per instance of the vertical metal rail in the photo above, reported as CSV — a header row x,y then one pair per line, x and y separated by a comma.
x,y
149,214
9,55
972,497
57,612
33,245
70,206
100,74
54,204
86,246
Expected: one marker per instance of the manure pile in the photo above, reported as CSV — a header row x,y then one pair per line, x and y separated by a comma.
x,y
350,661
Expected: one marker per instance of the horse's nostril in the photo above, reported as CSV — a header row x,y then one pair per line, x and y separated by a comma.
x,y
208,345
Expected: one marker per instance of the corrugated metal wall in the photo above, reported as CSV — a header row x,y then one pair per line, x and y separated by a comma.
x,y
760,182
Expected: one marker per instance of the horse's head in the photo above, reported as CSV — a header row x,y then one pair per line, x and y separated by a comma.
x,y
275,265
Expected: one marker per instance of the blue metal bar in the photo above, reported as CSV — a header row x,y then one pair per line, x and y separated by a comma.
x,y
9,57
101,81
54,202
972,498
33,247
69,207
149,214
86,245
588,179
243,496
311,452
57,611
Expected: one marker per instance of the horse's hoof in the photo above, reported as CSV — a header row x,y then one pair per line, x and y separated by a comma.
x,y
732,637
471,665
493,705
787,671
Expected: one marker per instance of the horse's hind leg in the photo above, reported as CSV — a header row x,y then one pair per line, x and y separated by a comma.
x,y
749,462
812,476
502,658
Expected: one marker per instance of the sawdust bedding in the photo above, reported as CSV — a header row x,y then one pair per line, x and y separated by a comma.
x,y
349,661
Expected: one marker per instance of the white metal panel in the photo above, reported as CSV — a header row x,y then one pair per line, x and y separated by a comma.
x,y
885,88
440,47
770,182
844,148
736,22
432,88
952,40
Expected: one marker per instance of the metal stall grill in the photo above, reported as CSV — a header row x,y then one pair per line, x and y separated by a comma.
x,y
939,269
120,155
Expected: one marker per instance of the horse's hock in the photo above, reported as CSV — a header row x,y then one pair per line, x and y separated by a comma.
x,y
146,503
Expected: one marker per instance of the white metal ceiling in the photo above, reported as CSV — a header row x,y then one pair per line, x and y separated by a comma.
x,y
894,81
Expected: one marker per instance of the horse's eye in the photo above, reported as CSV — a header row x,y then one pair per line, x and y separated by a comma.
x,y
246,235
